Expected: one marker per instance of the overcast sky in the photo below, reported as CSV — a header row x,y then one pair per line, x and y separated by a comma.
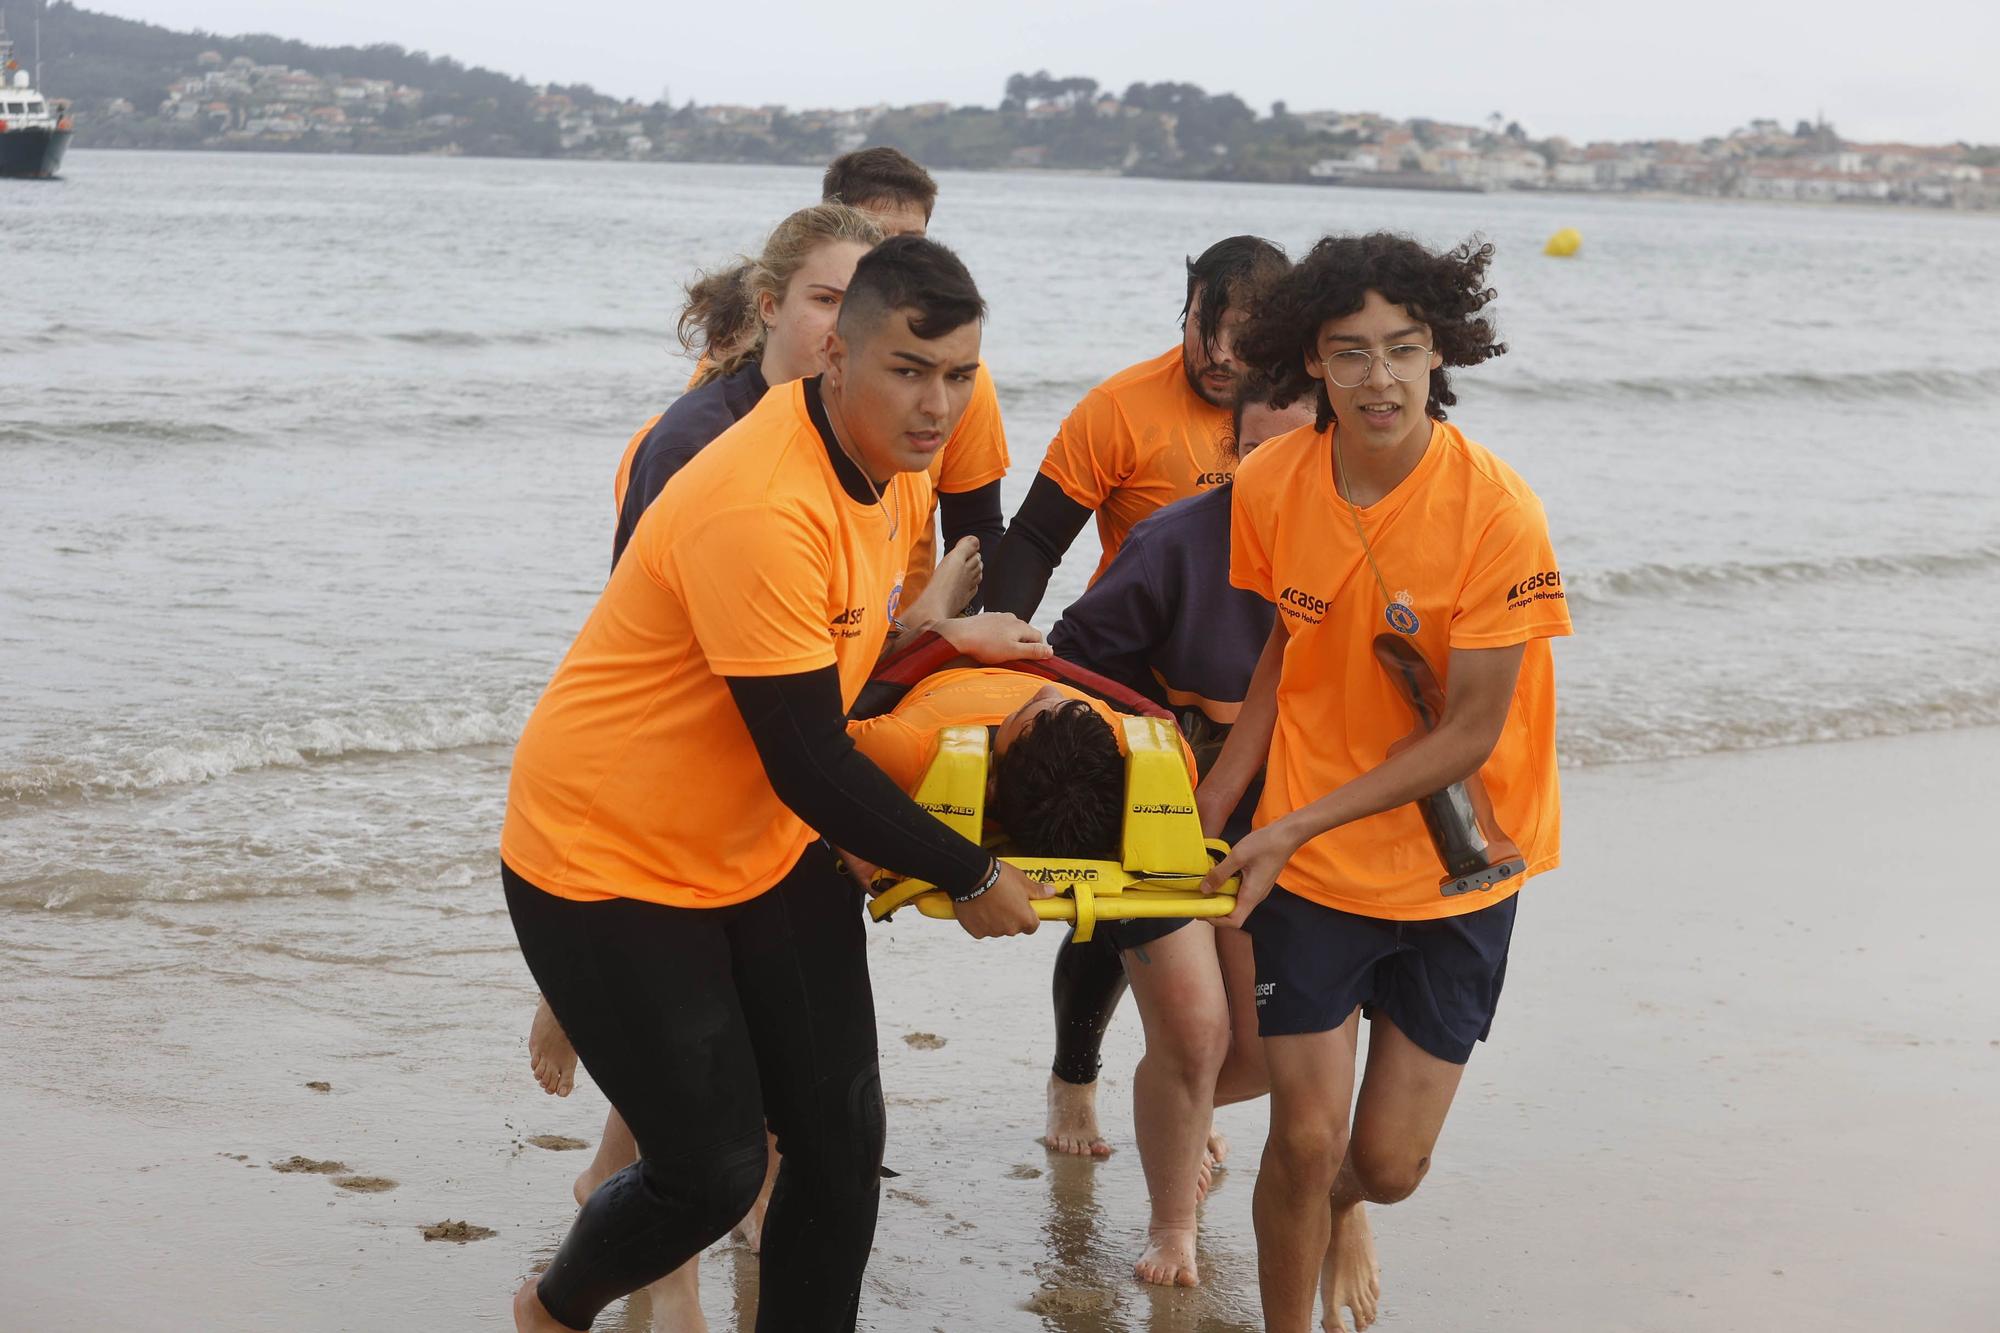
x,y
1919,70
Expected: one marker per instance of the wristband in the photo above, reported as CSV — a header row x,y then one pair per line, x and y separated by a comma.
x,y
992,878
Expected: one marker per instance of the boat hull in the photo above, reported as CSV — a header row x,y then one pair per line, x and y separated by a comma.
x,y
34,154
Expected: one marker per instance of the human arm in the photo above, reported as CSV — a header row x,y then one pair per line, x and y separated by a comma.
x,y
973,513
1121,620
1249,742
1042,531
796,723
1475,712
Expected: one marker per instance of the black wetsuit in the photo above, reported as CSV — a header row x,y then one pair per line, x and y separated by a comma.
x,y
703,1025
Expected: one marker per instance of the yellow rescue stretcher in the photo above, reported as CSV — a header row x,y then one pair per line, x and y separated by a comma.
x,y
1165,856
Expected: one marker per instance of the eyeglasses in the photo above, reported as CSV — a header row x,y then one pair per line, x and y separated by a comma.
x,y
1350,370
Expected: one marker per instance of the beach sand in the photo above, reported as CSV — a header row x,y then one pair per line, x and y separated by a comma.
x,y
1746,1074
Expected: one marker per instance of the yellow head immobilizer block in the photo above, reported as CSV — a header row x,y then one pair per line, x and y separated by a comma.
x,y
1164,855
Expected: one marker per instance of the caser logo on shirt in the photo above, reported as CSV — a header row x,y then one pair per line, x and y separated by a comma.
x,y
1301,605
1543,587
847,625
1206,479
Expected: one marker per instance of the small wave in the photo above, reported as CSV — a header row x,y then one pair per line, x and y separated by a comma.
x,y
416,728
1628,739
148,430
1944,384
1659,580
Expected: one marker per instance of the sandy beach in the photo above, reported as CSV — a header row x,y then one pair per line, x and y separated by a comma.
x,y
1746,1074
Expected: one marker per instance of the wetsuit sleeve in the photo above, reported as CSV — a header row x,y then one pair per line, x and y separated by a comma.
x,y
796,723
1041,532
1118,623
973,513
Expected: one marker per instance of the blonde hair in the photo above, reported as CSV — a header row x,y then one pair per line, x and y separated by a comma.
x,y
720,321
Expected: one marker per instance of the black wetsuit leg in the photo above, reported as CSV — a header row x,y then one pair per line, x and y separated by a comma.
x,y
700,1025
1089,981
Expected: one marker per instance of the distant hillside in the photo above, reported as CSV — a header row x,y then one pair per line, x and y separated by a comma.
x,y
138,85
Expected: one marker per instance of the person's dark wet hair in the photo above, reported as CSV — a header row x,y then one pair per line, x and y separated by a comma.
x,y
914,275
1255,391
1225,274
1445,291
1059,790
718,317
878,175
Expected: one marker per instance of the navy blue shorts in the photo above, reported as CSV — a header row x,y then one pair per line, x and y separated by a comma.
x,y
1438,981
1138,932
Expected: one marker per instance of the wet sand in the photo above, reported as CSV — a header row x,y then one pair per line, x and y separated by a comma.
x,y
1746,1074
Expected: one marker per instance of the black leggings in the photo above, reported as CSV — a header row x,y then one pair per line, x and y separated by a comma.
x,y
701,1025
1089,981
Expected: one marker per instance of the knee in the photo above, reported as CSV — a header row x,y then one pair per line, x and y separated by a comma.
x,y
1387,1175
719,1186
1193,1046
1307,1151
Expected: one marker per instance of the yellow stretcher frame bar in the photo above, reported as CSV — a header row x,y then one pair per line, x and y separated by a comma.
x,y
1165,856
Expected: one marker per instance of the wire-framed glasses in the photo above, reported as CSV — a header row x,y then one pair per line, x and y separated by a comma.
x,y
1350,370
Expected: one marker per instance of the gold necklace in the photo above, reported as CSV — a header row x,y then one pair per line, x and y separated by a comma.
x,y
895,519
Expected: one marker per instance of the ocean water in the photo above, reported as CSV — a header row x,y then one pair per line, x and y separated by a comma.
x,y
305,486
305,469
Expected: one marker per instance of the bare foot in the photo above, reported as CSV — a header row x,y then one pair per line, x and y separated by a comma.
x,y
1350,1279
616,1150
530,1316
676,1300
952,586
549,1052
1218,1145
1169,1258
1072,1124
1204,1176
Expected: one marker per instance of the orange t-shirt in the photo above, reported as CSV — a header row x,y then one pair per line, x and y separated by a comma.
x,y
975,454
1135,444
635,776
903,741
623,481
1463,543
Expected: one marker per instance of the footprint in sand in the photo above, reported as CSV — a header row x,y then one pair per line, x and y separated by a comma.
x,y
295,1164
1024,1173
458,1233
320,1085
557,1142
923,1041
366,1184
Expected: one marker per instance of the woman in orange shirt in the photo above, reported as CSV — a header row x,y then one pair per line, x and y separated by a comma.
x,y
1399,816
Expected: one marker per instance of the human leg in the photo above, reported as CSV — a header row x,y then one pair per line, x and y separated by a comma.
x,y
646,995
1432,999
1243,1075
1312,1082
1089,980
1178,987
800,952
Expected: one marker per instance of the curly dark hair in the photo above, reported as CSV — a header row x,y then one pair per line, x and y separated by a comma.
x,y
1059,790
1445,291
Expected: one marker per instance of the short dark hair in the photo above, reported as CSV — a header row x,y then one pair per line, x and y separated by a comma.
x,y
1444,290
1224,273
867,175
1253,391
1059,790
916,275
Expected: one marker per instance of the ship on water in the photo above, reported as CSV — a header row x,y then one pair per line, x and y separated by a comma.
x,y
34,132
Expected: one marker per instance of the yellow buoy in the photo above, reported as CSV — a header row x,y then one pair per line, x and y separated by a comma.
x,y
1564,243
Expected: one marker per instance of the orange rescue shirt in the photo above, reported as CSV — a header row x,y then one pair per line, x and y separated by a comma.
x,y
635,776
975,454
1135,444
1464,545
903,741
